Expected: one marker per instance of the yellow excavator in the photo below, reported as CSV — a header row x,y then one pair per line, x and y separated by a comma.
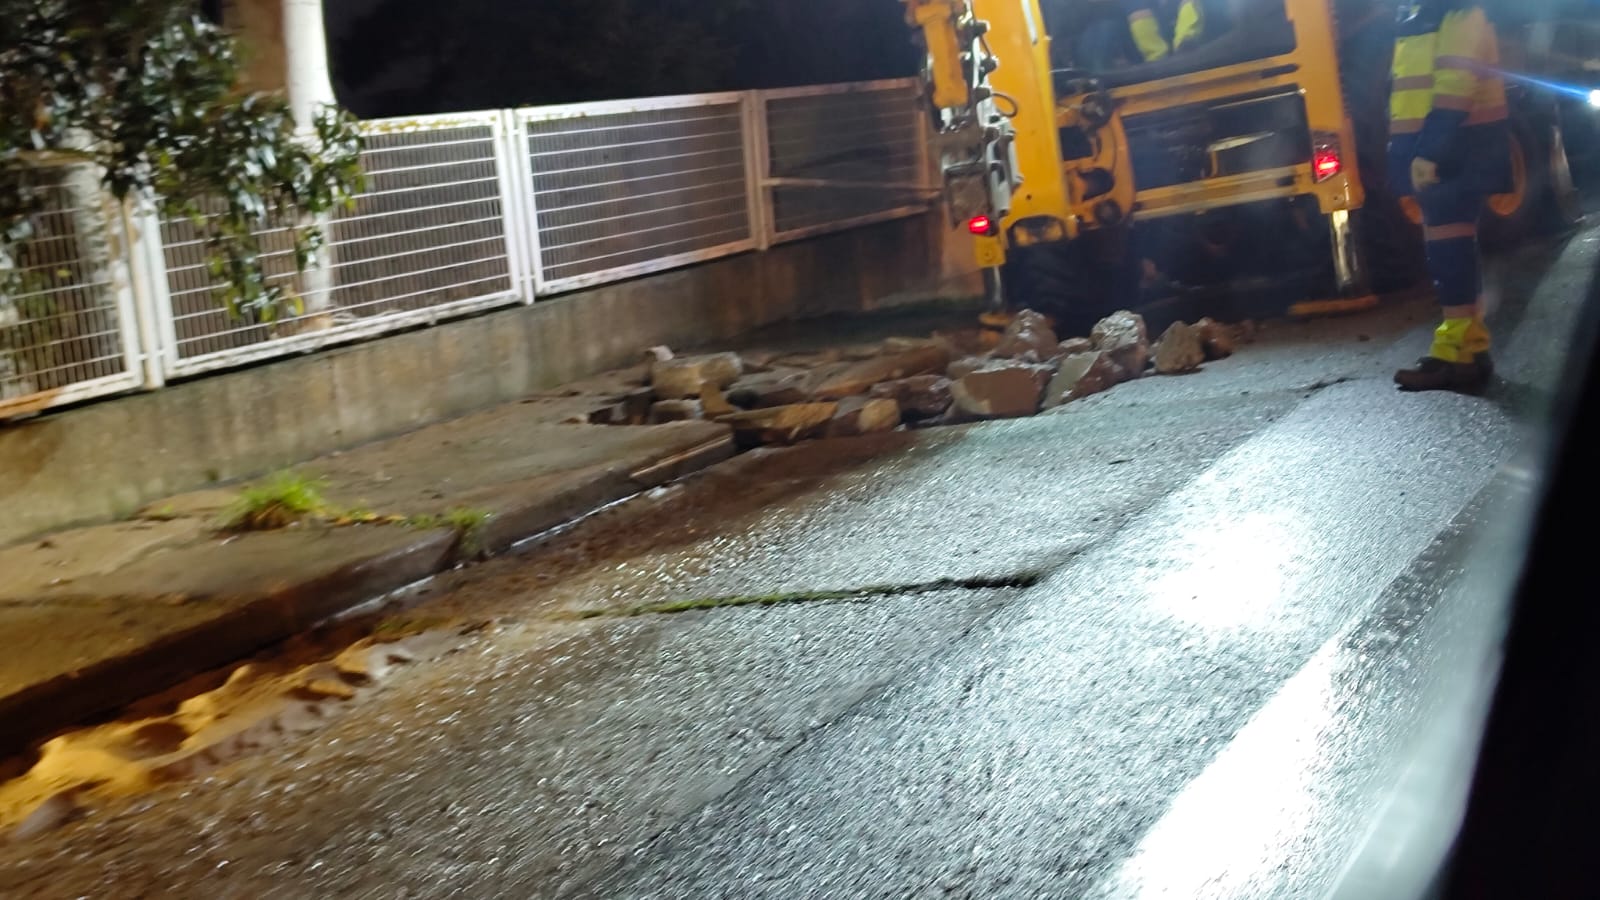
x,y
1246,166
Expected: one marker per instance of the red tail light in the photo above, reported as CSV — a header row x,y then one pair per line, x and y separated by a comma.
x,y
1326,160
983,226
1326,164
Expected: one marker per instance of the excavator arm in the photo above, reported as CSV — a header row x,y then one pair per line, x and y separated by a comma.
x,y
975,141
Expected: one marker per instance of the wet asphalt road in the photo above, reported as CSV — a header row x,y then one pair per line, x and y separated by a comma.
x,y
1245,598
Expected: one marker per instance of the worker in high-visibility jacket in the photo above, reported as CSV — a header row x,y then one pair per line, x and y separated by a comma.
x,y
1449,146
1145,22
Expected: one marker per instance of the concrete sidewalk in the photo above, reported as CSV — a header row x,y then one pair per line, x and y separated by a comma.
x,y
99,616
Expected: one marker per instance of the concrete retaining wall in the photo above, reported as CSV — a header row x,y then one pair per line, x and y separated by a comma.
x,y
107,459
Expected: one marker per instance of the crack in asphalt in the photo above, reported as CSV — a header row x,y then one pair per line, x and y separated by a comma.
x,y
1014,581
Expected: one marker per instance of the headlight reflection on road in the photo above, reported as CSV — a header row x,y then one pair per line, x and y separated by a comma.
x,y
1233,575
1229,833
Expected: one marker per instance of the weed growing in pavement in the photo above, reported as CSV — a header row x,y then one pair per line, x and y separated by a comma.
x,y
288,498
283,499
466,522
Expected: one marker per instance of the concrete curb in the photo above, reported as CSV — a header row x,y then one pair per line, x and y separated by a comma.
x,y
225,630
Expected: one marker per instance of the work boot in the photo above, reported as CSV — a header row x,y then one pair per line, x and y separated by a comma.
x,y
1434,374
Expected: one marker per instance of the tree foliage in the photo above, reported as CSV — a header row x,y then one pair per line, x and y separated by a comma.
x,y
145,90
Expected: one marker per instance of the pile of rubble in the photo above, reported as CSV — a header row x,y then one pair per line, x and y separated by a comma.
x,y
910,382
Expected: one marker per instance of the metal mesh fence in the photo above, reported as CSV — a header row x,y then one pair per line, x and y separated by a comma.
x,y
427,233
865,139
460,213
61,329
621,191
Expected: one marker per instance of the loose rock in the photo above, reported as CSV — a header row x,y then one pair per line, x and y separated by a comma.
x,y
776,388
681,377
809,360
1081,375
674,411
961,368
1122,334
1075,345
864,415
1004,389
1180,349
1029,331
919,397
908,344
779,424
758,360
1215,338
860,377
657,354
713,403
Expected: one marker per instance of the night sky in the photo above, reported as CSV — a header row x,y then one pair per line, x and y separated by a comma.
x,y
411,57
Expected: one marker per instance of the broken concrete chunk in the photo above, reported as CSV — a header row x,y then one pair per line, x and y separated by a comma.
x,y
864,415
1004,389
1180,349
674,411
758,360
860,377
1028,332
779,424
1075,345
919,397
713,403
1216,338
681,377
809,360
775,388
961,368
1081,375
908,344
1122,334
962,341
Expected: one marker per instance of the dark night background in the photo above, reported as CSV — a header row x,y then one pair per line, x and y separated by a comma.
x,y
410,57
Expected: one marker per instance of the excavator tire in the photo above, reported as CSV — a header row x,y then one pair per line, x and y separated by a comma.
x,y
1542,199
1072,282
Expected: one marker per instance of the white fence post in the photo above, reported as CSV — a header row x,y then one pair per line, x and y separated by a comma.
x,y
521,250
151,311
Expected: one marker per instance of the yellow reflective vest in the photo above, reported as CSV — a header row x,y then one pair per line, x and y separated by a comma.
x,y
1447,99
1147,31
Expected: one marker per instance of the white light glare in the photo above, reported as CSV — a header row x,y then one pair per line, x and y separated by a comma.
x,y
1594,98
